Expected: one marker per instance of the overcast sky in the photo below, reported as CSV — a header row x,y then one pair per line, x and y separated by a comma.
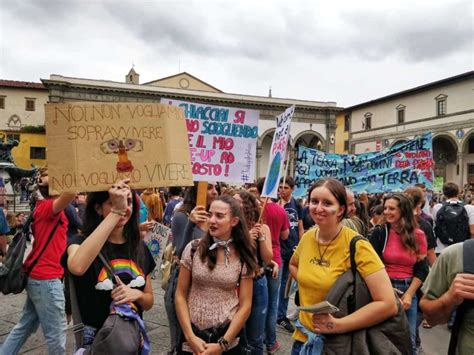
x,y
332,50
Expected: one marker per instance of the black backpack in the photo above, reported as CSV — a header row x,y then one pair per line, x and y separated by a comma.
x,y
13,277
452,223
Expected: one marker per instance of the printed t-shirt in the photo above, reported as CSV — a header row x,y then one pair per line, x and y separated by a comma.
x,y
315,281
48,266
398,260
294,212
93,289
276,219
447,266
212,298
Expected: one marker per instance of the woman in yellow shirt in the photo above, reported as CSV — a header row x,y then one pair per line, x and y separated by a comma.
x,y
322,256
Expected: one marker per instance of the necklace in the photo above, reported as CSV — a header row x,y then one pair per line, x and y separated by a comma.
x,y
321,261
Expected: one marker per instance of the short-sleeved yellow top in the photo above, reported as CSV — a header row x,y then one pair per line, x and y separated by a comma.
x,y
315,281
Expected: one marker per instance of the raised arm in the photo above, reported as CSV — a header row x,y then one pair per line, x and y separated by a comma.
x,y
80,257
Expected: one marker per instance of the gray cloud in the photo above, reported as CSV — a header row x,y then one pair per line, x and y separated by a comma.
x,y
303,49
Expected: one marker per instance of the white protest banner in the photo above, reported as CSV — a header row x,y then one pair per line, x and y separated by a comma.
x,y
222,141
156,240
91,145
278,153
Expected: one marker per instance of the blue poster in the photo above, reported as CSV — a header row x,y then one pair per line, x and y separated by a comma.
x,y
388,170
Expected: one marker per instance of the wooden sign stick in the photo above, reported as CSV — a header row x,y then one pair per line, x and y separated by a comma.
x,y
263,210
202,193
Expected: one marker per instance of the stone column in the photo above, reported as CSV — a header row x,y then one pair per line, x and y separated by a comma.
x,y
330,132
462,179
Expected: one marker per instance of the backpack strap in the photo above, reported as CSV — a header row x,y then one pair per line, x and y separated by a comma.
x,y
33,264
352,251
468,267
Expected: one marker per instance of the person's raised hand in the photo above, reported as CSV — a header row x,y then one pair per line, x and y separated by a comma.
x,y
119,194
462,288
199,215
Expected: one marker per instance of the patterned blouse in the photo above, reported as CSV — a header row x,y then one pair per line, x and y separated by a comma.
x,y
212,299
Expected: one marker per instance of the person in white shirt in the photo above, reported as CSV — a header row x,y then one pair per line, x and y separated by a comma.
x,y
451,192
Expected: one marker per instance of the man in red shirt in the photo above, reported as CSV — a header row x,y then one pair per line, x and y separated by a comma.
x,y
45,295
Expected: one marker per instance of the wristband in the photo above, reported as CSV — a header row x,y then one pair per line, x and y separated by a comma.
x,y
262,238
120,213
224,344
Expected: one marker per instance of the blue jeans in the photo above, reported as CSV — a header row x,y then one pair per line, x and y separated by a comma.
x,y
282,301
44,305
255,325
170,308
296,348
270,326
403,285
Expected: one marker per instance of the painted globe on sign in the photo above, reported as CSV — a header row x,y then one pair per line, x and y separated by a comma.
x,y
154,247
273,173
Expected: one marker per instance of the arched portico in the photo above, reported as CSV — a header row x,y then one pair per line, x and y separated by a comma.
x,y
467,160
445,155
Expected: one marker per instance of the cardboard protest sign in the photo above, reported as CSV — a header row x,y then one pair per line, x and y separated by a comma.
x,y
156,240
389,170
222,141
91,145
278,153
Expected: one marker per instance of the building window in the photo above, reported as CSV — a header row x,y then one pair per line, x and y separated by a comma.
x,y
441,107
347,123
37,153
441,104
400,114
29,104
346,145
13,137
367,124
2,102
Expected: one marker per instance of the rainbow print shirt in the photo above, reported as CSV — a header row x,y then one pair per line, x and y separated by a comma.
x,y
128,271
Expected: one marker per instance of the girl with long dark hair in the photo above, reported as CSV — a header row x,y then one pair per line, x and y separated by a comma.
x,y
214,293
262,240
110,227
402,247
189,223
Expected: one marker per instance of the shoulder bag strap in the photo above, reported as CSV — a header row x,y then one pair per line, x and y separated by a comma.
x,y
107,266
468,267
33,264
78,326
352,251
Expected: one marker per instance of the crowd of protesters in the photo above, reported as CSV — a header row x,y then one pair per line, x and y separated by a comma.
x,y
237,258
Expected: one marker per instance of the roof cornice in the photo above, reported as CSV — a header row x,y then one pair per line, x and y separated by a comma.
x,y
112,86
433,85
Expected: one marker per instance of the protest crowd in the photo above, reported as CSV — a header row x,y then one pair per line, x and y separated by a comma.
x,y
365,270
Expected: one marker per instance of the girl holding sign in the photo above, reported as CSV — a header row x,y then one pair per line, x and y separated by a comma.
x,y
110,228
214,293
189,223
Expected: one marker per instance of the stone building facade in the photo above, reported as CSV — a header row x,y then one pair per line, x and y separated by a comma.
x,y
313,125
444,107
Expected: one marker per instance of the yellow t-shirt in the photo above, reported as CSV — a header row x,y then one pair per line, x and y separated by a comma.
x,y
315,281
